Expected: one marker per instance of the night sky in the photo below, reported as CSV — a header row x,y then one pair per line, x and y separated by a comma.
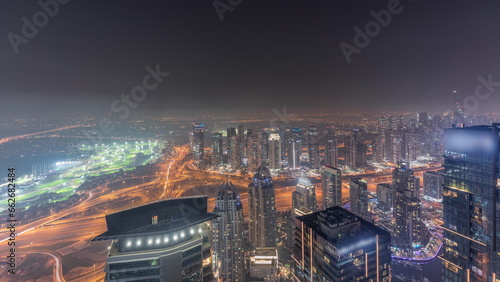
x,y
264,54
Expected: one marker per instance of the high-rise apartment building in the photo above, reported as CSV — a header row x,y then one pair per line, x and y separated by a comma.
x,y
358,197
331,185
313,146
274,150
228,232
254,150
217,148
198,145
304,195
169,241
433,185
331,148
385,195
410,231
262,209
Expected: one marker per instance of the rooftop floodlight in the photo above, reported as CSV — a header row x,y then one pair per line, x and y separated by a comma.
x,y
139,242
158,241
166,240
129,244
150,241
191,231
175,237
199,230
182,234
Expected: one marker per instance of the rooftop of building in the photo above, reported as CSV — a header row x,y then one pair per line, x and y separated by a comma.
x,y
156,218
341,227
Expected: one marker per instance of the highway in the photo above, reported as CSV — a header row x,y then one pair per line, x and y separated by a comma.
x,y
70,232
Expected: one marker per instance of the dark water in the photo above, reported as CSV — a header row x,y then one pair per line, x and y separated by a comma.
x,y
431,271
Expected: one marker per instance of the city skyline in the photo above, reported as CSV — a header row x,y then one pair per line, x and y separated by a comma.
x,y
237,140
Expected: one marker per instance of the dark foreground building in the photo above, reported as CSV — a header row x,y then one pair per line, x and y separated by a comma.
x,y
169,240
471,204
336,245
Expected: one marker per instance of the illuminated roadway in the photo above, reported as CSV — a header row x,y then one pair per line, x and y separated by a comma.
x,y
175,178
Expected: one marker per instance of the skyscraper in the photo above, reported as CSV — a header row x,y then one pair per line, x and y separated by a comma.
x,y
313,146
169,241
294,147
264,265
410,232
331,185
336,245
274,150
198,145
228,232
236,155
358,197
331,148
217,148
254,150
433,185
385,196
471,204
262,209
304,195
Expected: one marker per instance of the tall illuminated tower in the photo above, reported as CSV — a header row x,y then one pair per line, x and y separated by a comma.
x,y
198,144
217,148
262,209
471,204
358,196
304,195
410,230
254,150
274,150
228,232
331,185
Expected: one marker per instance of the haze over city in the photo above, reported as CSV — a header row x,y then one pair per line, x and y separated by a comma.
x,y
234,140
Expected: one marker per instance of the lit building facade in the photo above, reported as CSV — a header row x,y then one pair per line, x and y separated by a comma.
x,y
274,150
217,148
169,240
228,232
358,197
262,209
304,195
385,196
433,185
410,231
331,185
198,145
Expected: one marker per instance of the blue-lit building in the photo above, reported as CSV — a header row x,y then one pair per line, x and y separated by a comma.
x,y
169,240
471,204
336,245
